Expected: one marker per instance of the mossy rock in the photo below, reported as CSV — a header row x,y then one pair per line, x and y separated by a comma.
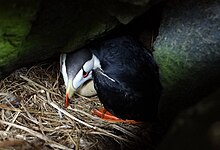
x,y
187,50
15,24
33,31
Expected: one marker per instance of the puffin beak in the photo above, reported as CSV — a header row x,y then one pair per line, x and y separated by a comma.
x,y
69,92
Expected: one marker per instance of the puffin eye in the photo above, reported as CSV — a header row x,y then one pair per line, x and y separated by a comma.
x,y
85,74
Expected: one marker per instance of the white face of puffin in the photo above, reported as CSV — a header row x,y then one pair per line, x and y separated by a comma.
x,y
74,77
63,68
84,74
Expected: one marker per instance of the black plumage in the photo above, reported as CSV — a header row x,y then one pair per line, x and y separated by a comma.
x,y
137,89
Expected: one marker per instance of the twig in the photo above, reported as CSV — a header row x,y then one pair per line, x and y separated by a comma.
x,y
49,99
38,85
34,133
124,131
13,120
71,116
84,123
5,107
3,114
85,113
25,129
3,94
29,116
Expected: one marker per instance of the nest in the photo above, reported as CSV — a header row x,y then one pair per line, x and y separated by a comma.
x,y
33,116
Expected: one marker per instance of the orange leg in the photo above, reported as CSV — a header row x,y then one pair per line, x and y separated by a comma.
x,y
107,116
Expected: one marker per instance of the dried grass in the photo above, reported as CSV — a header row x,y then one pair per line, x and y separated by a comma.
x,y
32,109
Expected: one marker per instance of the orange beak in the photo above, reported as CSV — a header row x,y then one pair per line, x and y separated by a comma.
x,y
67,100
69,92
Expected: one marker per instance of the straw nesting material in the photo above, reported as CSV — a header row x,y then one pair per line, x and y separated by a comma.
x,y
32,113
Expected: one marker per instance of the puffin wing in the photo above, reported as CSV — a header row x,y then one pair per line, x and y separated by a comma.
x,y
115,98
128,82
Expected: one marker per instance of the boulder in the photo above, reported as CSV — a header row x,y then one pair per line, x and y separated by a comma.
x,y
196,128
16,20
36,30
187,51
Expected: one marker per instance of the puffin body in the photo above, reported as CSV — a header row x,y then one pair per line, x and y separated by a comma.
x,y
125,76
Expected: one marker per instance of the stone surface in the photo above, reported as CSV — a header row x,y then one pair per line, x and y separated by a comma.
x,y
196,128
37,30
15,24
187,51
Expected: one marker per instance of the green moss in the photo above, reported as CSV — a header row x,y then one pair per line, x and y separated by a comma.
x,y
15,24
6,51
173,67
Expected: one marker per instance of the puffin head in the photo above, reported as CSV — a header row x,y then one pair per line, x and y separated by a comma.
x,y
76,68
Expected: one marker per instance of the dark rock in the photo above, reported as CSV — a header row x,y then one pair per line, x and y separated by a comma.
x,y
36,30
15,24
187,50
196,128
